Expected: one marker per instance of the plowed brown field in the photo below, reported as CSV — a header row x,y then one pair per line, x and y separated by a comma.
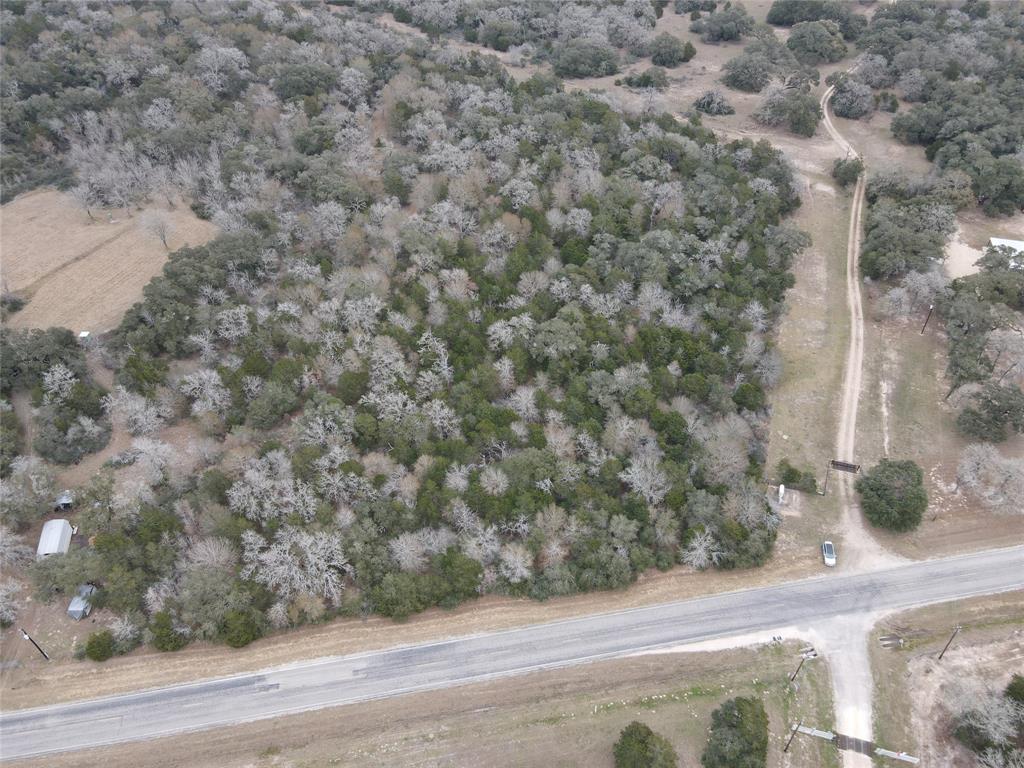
x,y
79,273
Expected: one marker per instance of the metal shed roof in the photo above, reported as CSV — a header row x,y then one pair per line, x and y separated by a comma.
x,y
55,538
80,605
1017,245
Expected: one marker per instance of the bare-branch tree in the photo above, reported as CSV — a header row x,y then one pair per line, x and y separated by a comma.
x,y
157,224
703,551
84,198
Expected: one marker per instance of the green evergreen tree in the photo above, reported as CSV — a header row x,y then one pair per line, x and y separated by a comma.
x,y
640,747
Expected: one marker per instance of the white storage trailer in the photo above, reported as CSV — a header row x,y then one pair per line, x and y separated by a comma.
x,y
55,538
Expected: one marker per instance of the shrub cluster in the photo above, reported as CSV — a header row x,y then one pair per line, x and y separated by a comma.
x,y
892,495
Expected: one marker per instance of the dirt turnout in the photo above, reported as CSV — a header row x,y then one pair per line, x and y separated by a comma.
x,y
80,273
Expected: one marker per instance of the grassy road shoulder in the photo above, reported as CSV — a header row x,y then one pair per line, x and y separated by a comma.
x,y
562,718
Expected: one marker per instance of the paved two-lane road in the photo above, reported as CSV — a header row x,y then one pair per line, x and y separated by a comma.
x,y
347,679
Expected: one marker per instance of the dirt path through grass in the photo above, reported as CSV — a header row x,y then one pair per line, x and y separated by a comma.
x,y
861,551
851,680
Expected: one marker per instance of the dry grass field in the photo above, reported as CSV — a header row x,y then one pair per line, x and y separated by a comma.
x,y
904,414
79,273
567,717
812,339
909,711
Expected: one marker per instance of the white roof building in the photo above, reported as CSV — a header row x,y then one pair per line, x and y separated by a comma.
x,y
55,538
1017,245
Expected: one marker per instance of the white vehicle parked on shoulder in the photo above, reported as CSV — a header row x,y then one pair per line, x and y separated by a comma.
x,y
828,554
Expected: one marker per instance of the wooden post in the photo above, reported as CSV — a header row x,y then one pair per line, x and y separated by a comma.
x,y
929,317
792,735
956,631
798,668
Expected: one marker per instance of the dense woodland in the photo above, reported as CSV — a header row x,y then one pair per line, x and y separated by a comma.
x,y
958,73
954,76
459,335
579,39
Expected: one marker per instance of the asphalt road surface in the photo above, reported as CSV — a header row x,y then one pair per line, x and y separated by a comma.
x,y
378,674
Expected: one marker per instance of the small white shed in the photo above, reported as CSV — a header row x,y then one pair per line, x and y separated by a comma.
x,y
80,607
55,538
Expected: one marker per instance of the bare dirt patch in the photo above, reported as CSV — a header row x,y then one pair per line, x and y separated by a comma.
x,y
563,718
80,273
991,661
960,256
78,475
908,705
49,625
974,229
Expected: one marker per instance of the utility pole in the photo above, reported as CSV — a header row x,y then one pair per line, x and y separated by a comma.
x,y
792,735
956,631
929,317
798,667
805,654
28,637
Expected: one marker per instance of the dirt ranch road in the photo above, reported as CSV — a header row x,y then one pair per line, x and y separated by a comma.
x,y
860,550
380,674
851,678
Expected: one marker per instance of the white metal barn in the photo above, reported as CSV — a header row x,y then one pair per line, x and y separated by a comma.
x,y
1017,245
55,538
